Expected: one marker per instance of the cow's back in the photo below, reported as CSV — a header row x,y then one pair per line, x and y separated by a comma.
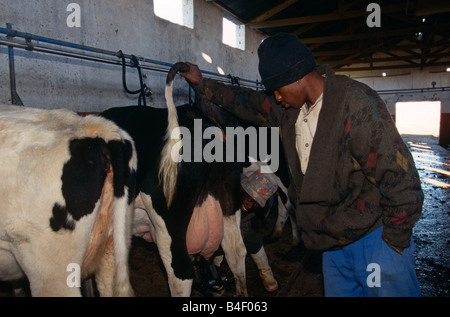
x,y
147,126
61,176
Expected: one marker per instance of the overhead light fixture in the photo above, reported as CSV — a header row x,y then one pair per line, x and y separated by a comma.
x,y
383,74
448,69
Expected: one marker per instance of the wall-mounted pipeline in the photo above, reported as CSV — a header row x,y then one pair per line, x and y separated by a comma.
x,y
32,42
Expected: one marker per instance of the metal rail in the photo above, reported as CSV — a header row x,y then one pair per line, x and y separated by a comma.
x,y
46,45
72,50
412,90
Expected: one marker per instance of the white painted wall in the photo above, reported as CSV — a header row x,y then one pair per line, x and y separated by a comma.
x,y
48,81
410,79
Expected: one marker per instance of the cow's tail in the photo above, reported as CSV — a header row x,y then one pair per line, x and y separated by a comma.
x,y
168,170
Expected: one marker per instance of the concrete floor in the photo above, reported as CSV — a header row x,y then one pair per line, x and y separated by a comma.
x,y
432,232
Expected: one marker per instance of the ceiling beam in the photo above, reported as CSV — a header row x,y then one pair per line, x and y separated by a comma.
x,y
438,51
344,5
396,57
425,58
371,35
440,44
305,28
364,68
435,8
337,15
355,59
270,13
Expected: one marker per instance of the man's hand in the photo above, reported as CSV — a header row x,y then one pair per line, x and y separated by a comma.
x,y
194,75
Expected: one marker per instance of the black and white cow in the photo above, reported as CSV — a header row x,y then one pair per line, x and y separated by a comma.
x,y
187,206
277,172
286,209
65,203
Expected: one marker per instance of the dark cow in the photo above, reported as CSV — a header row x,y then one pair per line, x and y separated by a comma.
x,y
276,169
286,208
188,206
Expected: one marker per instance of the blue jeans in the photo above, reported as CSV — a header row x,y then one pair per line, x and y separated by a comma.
x,y
369,267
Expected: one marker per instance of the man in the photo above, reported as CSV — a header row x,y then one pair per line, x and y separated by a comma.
x,y
353,180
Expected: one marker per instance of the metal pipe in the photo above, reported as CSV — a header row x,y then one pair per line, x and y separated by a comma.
x,y
10,33
162,66
412,90
15,99
14,33
68,53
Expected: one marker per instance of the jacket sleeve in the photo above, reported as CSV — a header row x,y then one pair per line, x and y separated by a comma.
x,y
247,104
387,163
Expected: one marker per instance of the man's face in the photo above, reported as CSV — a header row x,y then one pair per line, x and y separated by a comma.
x,y
292,95
248,203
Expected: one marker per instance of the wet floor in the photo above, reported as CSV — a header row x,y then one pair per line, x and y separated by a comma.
x,y
432,232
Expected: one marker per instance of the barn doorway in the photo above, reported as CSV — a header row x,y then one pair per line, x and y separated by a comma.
x,y
418,117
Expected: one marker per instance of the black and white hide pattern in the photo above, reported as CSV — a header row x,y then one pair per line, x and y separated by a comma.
x,y
280,177
187,207
286,209
65,201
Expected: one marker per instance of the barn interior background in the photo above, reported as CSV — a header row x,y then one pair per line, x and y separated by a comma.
x,y
399,48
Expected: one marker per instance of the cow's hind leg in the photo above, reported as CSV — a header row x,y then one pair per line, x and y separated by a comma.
x,y
109,245
282,217
235,252
178,287
47,278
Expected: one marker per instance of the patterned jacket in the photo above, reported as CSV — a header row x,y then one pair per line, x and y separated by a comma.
x,y
360,175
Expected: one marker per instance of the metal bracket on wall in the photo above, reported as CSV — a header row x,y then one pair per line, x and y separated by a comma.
x,y
15,99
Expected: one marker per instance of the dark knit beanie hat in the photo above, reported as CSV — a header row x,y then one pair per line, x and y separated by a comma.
x,y
283,59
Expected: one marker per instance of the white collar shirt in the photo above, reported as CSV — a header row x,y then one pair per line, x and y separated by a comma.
x,y
305,128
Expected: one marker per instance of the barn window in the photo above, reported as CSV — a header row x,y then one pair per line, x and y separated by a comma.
x,y
177,11
233,33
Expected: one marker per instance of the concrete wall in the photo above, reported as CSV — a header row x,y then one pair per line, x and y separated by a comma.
x,y
48,81
412,79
